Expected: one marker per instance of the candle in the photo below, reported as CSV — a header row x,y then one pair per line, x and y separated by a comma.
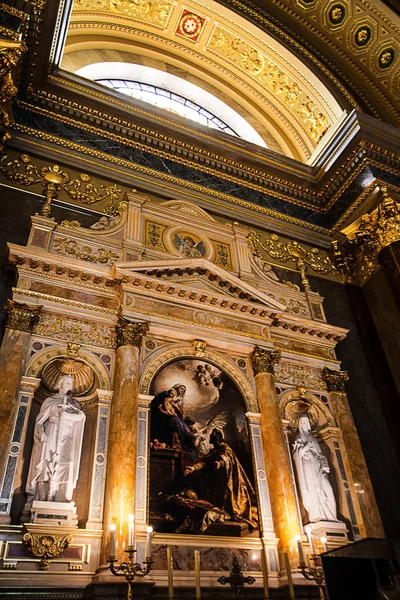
x,y
170,573
112,540
324,544
264,565
197,573
289,576
300,550
131,530
147,552
310,539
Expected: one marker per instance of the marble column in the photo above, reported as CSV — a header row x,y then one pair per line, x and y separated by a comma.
x,y
335,381
21,319
277,465
122,448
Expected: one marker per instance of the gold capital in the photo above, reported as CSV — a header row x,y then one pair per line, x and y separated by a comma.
x,y
263,361
130,334
21,316
335,380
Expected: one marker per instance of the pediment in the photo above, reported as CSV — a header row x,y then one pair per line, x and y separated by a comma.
x,y
198,274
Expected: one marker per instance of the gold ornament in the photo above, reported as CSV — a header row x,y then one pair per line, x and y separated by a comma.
x,y
46,546
263,361
21,316
335,380
130,334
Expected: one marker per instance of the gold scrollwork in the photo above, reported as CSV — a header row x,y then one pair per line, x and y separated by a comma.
x,y
53,178
290,251
156,12
71,247
46,546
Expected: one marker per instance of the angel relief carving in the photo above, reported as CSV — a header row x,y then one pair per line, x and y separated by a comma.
x,y
201,475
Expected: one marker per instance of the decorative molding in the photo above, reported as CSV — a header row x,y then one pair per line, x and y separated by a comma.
x,y
263,361
130,334
70,247
21,316
156,12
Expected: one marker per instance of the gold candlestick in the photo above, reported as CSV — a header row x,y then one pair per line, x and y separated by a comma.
x,y
170,573
197,573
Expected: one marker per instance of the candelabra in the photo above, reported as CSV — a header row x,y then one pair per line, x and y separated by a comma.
x,y
315,572
129,568
236,578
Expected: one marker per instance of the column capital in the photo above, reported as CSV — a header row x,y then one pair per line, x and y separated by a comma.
x,y
263,360
129,333
335,380
21,316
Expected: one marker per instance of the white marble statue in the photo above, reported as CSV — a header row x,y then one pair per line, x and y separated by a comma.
x,y
57,446
312,471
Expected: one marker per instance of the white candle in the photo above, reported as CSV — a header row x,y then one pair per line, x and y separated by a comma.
x,y
300,549
264,565
289,576
147,552
170,573
197,573
324,544
310,539
112,540
131,530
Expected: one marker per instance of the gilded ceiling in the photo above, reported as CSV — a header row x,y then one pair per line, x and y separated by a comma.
x,y
290,103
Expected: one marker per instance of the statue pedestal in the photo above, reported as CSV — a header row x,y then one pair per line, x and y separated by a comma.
x,y
335,532
54,513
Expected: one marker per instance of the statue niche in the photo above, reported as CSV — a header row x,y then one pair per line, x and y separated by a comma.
x,y
58,433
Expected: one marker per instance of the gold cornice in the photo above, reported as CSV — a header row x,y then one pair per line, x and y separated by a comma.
x,y
167,155
163,176
118,102
75,303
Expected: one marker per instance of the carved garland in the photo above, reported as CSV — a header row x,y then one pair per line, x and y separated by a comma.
x,y
225,365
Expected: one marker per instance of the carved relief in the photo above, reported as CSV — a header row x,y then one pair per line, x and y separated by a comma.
x,y
95,255
69,329
156,12
299,376
252,61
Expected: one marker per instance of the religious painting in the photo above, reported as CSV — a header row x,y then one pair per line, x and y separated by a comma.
x,y
201,472
189,245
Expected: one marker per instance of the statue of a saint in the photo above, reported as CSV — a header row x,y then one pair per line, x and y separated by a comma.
x,y
57,446
312,471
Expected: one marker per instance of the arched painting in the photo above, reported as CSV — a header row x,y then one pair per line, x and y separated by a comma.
x,y
201,473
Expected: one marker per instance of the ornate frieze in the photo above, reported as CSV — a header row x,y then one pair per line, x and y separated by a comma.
x,y
130,334
264,361
21,316
296,375
76,330
255,63
84,252
335,380
156,12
